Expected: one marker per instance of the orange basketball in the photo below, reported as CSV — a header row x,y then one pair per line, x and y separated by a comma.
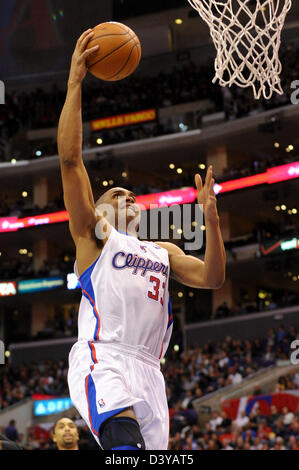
x,y
119,51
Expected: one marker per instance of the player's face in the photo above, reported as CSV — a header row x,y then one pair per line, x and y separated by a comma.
x,y
123,202
65,433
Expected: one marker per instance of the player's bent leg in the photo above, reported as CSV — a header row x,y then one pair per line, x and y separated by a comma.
x,y
121,432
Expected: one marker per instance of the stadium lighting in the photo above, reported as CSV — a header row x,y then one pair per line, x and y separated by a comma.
x,y
294,211
171,166
179,170
283,207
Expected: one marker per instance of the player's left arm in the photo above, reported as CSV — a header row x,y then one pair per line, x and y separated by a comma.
x,y
189,270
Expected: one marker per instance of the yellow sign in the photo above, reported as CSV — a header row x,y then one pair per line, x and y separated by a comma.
x,y
124,119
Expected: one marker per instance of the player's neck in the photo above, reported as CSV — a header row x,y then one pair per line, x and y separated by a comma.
x,y
127,231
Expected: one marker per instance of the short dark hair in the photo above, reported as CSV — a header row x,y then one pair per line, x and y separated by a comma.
x,y
59,419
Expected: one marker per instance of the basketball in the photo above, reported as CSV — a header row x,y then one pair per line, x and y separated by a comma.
x,y
119,51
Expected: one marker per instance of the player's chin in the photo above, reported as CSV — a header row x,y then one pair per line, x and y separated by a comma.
x,y
132,213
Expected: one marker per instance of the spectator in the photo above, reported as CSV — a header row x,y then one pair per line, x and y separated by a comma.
x,y
279,444
226,444
215,421
242,420
274,415
65,434
288,416
11,431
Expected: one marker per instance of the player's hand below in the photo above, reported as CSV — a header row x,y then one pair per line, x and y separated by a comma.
x,y
78,68
206,196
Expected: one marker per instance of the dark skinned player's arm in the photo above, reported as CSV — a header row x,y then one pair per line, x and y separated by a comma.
x,y
77,192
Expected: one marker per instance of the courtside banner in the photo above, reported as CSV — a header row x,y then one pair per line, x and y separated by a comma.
x,y
38,285
124,119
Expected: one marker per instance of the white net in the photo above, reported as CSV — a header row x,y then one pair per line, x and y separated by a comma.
x,y
247,36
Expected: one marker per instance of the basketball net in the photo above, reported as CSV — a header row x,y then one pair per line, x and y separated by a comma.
x,y
247,36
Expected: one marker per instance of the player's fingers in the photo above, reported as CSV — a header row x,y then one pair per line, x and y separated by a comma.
x,y
211,187
198,182
89,51
84,42
209,176
84,38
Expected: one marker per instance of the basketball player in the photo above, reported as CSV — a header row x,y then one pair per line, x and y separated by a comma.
x,y
65,434
125,320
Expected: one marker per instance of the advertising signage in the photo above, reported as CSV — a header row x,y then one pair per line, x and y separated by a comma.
x,y
124,119
52,406
8,288
39,285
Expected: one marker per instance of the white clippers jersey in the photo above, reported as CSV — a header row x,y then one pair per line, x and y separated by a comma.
x,y
125,296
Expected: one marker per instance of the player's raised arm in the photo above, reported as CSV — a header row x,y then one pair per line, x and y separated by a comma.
x,y
78,197
189,270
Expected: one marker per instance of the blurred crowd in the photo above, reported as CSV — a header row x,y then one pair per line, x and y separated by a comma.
x,y
23,267
277,431
202,370
41,109
45,377
189,375
247,307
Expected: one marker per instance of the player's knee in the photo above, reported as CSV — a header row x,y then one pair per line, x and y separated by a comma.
x,y
121,433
